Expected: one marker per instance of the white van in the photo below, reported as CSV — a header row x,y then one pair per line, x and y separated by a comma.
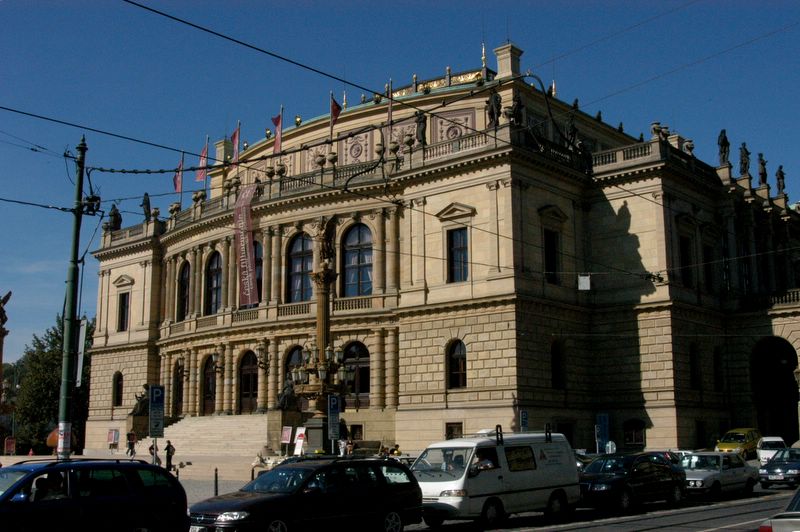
x,y
492,475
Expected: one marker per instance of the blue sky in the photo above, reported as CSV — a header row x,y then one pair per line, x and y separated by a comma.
x,y
695,65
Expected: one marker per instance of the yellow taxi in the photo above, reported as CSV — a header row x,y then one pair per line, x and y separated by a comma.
x,y
742,441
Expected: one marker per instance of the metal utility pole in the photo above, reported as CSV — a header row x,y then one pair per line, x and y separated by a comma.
x,y
70,317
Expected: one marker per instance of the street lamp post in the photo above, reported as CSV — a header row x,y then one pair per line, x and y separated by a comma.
x,y
318,376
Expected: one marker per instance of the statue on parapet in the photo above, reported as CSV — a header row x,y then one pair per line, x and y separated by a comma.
x,y
114,219
762,170
145,205
724,147
744,160
780,178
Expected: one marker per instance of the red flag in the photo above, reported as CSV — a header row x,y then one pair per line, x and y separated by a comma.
x,y
202,171
177,179
336,110
235,142
277,121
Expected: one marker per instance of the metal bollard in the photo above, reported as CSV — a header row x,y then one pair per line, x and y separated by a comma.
x,y
252,473
216,482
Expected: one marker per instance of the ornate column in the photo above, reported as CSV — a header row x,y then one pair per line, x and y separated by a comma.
x,y
266,266
230,379
194,369
406,255
166,381
169,279
192,279
219,379
233,281
263,375
494,252
202,254
101,294
377,390
225,252
418,255
275,376
276,265
379,253
392,255
392,367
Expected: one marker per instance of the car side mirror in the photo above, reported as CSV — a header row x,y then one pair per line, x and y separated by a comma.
x,y
473,471
311,490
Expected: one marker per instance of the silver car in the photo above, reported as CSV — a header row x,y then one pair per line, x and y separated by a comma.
x,y
715,473
786,521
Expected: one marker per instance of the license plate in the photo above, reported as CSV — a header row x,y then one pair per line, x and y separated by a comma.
x,y
771,477
195,528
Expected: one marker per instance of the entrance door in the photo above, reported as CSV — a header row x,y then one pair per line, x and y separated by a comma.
x,y
775,388
209,387
248,383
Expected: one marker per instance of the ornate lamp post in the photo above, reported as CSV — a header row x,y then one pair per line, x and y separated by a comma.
x,y
317,377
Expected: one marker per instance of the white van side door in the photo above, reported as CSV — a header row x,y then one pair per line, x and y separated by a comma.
x,y
484,478
520,480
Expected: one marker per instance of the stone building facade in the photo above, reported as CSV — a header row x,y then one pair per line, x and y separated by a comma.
x,y
529,268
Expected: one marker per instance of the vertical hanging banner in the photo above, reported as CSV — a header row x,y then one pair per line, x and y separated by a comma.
x,y
243,240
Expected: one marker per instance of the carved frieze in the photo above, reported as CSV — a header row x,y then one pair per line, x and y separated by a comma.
x,y
450,125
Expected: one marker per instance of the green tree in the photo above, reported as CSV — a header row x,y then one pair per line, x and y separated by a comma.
x,y
39,392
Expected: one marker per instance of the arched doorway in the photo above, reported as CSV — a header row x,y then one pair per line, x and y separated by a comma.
x,y
248,383
209,386
774,387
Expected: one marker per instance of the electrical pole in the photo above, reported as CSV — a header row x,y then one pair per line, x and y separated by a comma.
x,y
70,317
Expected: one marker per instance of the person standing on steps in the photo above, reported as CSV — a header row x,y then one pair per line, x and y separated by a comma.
x,y
170,450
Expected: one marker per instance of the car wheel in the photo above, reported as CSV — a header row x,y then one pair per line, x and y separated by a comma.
x,y
277,525
625,500
433,521
764,485
749,485
676,495
492,514
557,507
716,491
392,522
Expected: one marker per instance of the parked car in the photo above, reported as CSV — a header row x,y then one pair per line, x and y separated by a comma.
x,y
337,493
768,446
90,494
786,521
582,460
619,481
742,441
783,468
714,473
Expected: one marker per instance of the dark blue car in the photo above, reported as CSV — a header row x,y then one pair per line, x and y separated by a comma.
x,y
783,469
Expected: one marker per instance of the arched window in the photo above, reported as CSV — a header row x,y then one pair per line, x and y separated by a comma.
x,y
357,262
457,365
116,392
558,366
213,300
356,356
248,383
300,267
182,310
258,253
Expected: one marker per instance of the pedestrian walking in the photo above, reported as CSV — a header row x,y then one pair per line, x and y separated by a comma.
x,y
154,453
130,449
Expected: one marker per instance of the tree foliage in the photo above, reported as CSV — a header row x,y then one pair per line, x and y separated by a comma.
x,y
38,396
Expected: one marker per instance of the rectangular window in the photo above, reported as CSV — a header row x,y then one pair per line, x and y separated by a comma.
x,y
520,458
453,430
123,309
551,256
686,261
457,256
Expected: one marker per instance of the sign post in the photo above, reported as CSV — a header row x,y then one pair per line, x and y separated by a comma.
x,y
156,417
333,420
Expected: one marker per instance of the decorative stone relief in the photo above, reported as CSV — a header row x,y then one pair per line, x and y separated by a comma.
x,y
450,125
356,149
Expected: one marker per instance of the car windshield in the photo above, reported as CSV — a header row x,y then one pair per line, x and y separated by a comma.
x,y
278,480
771,444
788,454
609,464
693,461
733,437
8,477
442,463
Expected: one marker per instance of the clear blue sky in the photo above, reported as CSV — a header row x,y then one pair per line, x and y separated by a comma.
x,y
697,66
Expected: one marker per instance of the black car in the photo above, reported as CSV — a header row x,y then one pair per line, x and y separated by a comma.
x,y
90,494
783,468
338,493
619,481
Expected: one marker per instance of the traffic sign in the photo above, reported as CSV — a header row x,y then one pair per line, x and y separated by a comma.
x,y
156,411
